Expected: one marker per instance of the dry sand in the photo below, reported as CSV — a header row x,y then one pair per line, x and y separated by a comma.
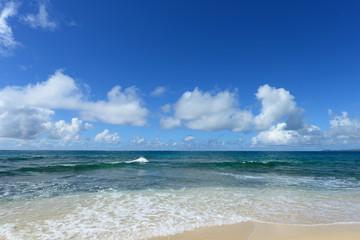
x,y
269,231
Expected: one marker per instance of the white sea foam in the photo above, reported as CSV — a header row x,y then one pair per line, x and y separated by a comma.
x,y
240,176
149,213
321,183
68,165
139,160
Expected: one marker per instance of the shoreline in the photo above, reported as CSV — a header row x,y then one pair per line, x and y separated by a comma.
x,y
253,230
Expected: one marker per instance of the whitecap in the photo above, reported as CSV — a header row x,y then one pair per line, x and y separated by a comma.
x,y
139,160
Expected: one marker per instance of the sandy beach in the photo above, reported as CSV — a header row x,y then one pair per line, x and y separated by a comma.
x,y
179,195
269,231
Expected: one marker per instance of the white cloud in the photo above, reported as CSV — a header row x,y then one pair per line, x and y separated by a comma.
x,y
205,111
7,41
277,104
107,137
122,108
169,123
68,132
24,122
343,130
166,108
278,135
158,91
342,127
137,140
41,19
189,138
61,92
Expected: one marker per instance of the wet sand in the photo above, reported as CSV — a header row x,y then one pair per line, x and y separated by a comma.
x,y
269,231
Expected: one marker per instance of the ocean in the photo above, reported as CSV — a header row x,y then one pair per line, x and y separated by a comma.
x,y
143,194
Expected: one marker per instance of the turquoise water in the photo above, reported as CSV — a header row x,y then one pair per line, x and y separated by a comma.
x,y
135,195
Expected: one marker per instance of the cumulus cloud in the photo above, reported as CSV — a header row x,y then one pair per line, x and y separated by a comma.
x,y
342,127
24,122
68,131
7,41
26,110
277,104
107,137
41,19
158,91
121,108
206,111
60,91
279,135
31,122
343,130
189,138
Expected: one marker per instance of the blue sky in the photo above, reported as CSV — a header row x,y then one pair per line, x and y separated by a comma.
x,y
179,75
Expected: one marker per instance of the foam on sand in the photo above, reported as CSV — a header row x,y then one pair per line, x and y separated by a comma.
x,y
149,213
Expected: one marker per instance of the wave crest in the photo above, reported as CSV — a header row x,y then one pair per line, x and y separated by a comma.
x,y
139,160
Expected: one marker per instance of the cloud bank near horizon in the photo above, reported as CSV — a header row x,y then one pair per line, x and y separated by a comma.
x,y
28,112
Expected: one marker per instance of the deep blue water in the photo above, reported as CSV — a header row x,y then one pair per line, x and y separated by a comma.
x,y
32,174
